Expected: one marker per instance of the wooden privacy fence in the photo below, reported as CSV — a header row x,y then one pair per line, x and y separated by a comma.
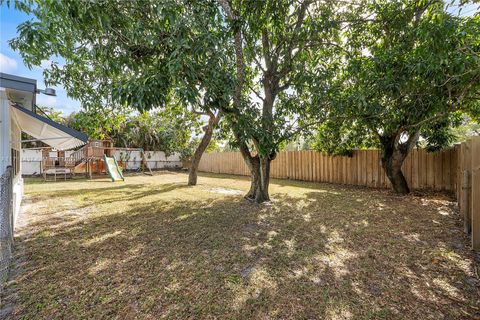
x,y
456,169
468,192
422,170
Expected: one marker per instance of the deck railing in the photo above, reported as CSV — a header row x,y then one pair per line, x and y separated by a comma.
x,y
78,155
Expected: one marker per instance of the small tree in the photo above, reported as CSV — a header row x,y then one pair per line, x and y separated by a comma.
x,y
153,130
203,72
410,70
208,129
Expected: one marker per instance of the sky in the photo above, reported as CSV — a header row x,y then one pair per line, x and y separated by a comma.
x,y
11,61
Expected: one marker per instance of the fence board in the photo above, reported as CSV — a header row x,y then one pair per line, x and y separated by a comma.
x,y
458,149
337,169
298,160
363,167
430,169
475,192
438,171
453,169
422,169
308,166
414,157
446,183
467,197
369,171
304,159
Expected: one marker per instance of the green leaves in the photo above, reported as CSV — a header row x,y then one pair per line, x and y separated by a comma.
x,y
409,68
136,53
168,130
358,71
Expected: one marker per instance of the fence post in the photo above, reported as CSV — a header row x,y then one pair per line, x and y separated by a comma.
x,y
10,203
475,192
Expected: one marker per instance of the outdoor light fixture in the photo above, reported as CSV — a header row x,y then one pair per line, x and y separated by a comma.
x,y
48,92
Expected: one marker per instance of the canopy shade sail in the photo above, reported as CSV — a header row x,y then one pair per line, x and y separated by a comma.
x,y
46,130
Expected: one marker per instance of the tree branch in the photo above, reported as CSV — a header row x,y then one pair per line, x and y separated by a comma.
x,y
201,113
240,63
256,92
293,40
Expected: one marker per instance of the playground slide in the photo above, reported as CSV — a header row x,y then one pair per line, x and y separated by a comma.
x,y
113,170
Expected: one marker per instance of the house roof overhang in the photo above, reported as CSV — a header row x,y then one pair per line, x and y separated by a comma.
x,y
19,89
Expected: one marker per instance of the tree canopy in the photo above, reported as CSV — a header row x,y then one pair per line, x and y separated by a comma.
x,y
149,130
411,69
135,53
280,48
364,73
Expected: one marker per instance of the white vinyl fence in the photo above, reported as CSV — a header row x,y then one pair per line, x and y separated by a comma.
x,y
155,159
32,160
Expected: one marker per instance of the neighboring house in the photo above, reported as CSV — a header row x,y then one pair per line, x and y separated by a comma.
x,y
18,112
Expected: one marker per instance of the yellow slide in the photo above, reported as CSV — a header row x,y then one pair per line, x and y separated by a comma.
x,y
113,169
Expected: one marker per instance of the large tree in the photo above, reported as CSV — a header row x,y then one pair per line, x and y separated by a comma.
x,y
411,69
275,43
142,54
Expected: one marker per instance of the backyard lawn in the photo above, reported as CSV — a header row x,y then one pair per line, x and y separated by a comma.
x,y
152,248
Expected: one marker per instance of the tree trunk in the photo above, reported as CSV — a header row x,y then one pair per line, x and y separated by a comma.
x,y
393,156
260,180
197,156
254,177
393,168
262,194
259,170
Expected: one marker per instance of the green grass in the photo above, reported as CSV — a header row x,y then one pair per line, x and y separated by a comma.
x,y
152,248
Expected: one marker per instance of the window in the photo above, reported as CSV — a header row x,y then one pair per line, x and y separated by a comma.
x,y
15,161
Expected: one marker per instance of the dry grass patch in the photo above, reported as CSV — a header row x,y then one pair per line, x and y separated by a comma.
x,y
154,248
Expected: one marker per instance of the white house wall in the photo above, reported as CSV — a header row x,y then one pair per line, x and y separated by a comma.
x,y
15,142
10,138
15,134
4,131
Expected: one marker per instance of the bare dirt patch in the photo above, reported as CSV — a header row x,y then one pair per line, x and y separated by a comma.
x,y
226,191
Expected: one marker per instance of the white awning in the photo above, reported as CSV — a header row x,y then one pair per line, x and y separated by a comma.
x,y
48,131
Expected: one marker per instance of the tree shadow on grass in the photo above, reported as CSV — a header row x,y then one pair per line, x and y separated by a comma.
x,y
324,255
